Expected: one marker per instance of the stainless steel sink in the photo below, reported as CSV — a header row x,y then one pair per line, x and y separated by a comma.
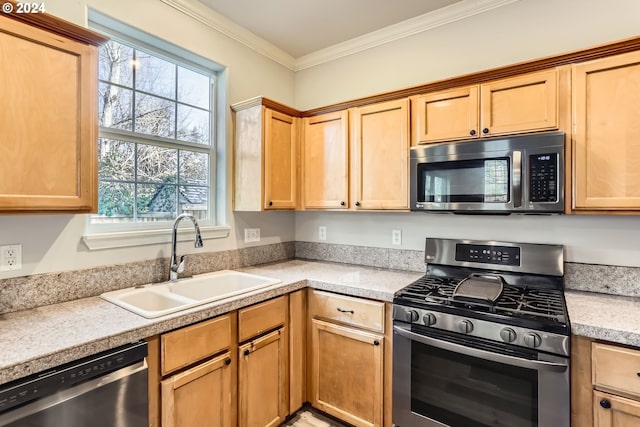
x,y
154,300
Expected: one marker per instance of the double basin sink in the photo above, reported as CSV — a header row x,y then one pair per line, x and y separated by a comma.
x,y
155,300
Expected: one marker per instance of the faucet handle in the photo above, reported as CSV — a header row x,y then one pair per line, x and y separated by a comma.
x,y
180,267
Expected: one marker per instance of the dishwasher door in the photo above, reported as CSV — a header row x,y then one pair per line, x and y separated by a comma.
x,y
108,390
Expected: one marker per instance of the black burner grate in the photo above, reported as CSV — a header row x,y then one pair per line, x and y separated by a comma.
x,y
544,305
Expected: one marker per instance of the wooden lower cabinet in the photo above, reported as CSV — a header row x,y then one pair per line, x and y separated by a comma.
x,y
610,410
263,397
347,373
200,396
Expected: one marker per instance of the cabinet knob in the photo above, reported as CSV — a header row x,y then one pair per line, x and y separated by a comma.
x,y
270,203
485,130
246,352
357,203
342,203
376,342
227,361
605,404
472,132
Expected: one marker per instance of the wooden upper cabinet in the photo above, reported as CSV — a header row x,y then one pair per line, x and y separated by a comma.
x,y
526,103
606,124
265,165
519,104
380,156
326,161
446,116
48,117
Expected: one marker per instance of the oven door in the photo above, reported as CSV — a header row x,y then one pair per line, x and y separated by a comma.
x,y
446,379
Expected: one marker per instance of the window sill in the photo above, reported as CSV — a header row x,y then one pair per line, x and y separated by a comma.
x,y
98,241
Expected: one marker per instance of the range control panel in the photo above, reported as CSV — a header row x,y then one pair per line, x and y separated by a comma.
x,y
487,254
543,177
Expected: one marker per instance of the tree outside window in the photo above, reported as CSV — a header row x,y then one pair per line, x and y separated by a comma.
x,y
155,119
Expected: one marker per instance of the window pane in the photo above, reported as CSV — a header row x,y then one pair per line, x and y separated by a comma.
x,y
194,168
155,116
116,63
193,88
156,202
114,107
193,200
193,124
157,164
115,201
155,75
116,160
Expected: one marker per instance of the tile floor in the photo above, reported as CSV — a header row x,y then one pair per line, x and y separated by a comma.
x,y
310,418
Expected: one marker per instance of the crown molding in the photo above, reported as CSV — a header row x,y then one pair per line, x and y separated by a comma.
x,y
455,12
213,19
410,27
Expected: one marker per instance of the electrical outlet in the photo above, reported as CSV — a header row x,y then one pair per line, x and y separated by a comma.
x,y
11,257
322,233
251,235
396,237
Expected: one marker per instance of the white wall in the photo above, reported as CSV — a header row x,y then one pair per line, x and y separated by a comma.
x,y
520,31
53,242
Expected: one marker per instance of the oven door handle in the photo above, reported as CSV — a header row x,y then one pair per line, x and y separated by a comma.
x,y
483,354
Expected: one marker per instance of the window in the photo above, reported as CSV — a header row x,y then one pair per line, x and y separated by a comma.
x,y
155,143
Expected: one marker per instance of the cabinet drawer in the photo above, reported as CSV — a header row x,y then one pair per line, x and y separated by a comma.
x,y
616,368
260,318
352,311
193,343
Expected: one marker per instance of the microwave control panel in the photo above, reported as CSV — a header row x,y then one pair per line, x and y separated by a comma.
x,y
543,177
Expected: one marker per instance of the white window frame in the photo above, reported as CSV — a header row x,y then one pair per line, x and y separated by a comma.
x,y
115,235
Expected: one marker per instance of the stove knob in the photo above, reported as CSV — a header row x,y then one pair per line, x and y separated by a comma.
x,y
465,326
532,340
429,319
508,335
411,315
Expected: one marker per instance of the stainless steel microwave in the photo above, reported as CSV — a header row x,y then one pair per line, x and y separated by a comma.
x,y
512,174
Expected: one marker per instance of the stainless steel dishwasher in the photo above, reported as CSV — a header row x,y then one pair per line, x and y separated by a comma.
x,y
108,389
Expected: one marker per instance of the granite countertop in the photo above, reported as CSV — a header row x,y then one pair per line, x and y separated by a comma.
x,y
44,337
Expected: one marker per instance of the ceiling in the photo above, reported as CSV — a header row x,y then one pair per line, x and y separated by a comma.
x,y
300,27
303,33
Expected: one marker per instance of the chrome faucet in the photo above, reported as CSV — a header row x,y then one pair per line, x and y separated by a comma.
x,y
175,267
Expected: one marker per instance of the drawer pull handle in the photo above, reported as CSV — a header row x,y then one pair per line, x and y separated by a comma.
x,y
345,311
605,404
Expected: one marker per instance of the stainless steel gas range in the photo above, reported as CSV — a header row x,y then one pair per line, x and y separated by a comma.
x,y
482,340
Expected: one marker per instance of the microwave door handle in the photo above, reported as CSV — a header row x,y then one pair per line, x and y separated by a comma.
x,y
482,354
517,179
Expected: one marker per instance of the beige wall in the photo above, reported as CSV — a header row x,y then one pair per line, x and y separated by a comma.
x,y
521,31
53,242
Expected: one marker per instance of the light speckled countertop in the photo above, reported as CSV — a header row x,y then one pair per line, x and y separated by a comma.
x,y
38,339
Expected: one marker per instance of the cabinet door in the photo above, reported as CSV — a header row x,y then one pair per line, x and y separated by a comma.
x,y
519,104
199,397
48,121
606,106
614,411
263,383
347,373
447,115
279,160
326,161
380,156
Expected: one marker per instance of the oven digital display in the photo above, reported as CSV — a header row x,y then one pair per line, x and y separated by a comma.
x,y
487,254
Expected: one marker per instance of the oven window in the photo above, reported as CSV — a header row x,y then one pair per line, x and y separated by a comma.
x,y
464,181
464,391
